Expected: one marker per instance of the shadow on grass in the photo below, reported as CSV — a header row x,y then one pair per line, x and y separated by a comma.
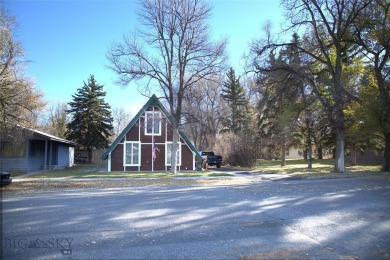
x,y
319,167
94,171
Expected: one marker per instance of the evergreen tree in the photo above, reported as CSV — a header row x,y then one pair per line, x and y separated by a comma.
x,y
91,123
284,97
234,94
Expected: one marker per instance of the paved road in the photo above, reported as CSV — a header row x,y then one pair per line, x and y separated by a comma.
x,y
295,219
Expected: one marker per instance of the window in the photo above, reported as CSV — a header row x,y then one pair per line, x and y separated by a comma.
x,y
152,123
12,149
168,148
132,154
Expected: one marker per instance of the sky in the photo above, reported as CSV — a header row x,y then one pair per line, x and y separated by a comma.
x,y
65,41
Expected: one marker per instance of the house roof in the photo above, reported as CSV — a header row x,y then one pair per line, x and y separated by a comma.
x,y
153,101
52,137
33,134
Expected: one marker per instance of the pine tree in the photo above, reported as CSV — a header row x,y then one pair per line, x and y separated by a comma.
x,y
283,99
91,123
234,94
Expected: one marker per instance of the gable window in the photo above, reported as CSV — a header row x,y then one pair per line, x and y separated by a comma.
x,y
132,153
168,152
152,123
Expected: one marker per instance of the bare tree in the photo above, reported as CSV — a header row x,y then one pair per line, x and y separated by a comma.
x,y
121,119
171,53
204,110
58,119
19,100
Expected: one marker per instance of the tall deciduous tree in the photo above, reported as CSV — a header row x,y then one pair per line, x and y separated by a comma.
x,y
58,119
204,111
372,33
172,53
19,100
121,120
91,123
325,48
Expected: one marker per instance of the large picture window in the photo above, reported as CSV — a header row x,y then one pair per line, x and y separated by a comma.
x,y
152,123
132,153
168,152
12,149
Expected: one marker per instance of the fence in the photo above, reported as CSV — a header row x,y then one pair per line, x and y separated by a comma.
x,y
82,155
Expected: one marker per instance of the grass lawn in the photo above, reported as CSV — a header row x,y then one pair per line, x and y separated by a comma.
x,y
92,171
320,167
293,167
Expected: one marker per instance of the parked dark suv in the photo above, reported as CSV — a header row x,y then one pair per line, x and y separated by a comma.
x,y
5,178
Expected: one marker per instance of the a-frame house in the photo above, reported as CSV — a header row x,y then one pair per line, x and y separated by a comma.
x,y
145,144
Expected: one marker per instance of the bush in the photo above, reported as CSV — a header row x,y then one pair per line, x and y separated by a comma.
x,y
239,149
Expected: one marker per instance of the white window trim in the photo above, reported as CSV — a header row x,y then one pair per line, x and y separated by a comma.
x,y
168,160
124,153
146,122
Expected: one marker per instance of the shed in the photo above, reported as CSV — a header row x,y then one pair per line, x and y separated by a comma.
x,y
37,151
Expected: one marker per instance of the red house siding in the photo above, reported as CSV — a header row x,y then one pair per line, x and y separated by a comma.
x,y
133,134
136,133
146,157
186,158
131,168
117,158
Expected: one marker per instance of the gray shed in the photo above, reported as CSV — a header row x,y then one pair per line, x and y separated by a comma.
x,y
37,152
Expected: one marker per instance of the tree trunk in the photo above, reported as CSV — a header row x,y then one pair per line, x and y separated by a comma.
x,y
309,146
89,149
353,157
305,154
386,154
340,148
175,139
283,162
338,116
310,160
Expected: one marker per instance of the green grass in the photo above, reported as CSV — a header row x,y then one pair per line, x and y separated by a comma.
x,y
320,167
91,171
293,167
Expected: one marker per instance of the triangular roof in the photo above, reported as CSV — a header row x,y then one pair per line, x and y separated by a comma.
x,y
153,101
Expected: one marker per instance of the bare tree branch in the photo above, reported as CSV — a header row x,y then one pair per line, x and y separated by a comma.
x,y
172,52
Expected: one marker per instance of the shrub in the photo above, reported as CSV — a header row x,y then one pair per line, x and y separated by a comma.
x,y
241,149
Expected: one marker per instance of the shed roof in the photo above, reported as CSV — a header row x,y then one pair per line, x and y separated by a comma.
x,y
153,101
33,134
52,137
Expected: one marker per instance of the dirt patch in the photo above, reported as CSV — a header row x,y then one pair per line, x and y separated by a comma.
x,y
41,186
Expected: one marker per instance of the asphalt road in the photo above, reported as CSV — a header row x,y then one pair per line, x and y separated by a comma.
x,y
287,219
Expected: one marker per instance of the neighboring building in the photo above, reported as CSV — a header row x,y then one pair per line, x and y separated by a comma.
x,y
145,144
368,156
294,154
37,152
